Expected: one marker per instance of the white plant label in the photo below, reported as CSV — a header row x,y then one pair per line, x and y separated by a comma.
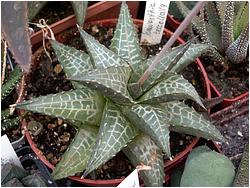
x,y
154,21
8,153
132,180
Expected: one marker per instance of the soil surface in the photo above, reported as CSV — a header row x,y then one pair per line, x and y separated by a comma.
x,y
236,132
49,78
233,82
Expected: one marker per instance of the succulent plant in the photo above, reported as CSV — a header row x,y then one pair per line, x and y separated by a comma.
x,y
9,82
224,25
112,113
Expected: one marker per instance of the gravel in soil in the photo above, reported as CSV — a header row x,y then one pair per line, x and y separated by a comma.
x,y
236,132
49,78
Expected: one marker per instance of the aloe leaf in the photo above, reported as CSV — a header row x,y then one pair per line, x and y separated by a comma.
x,y
175,87
34,7
151,120
82,105
15,30
184,119
143,150
11,83
125,42
76,157
214,36
194,51
114,134
112,82
102,56
170,59
227,27
241,18
80,10
237,51
73,61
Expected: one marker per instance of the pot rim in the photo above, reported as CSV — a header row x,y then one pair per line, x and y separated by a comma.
x,y
115,182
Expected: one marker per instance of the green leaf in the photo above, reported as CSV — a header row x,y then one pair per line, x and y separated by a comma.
x,y
221,9
76,157
241,19
151,120
114,134
34,8
15,30
80,10
82,105
213,17
184,119
102,56
11,83
112,82
175,87
73,61
237,51
143,150
125,42
170,59
214,36
227,27
194,51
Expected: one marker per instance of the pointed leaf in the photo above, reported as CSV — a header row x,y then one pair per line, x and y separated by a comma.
x,y
80,10
214,36
213,17
34,8
15,29
151,120
227,27
143,150
221,8
114,134
112,82
81,105
102,56
73,61
194,51
237,51
175,87
76,157
241,19
125,42
165,64
184,119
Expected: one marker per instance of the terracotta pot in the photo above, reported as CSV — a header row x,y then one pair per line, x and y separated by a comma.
x,y
100,10
226,102
66,24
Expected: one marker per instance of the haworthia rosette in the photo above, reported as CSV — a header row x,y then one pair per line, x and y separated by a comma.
x,y
114,134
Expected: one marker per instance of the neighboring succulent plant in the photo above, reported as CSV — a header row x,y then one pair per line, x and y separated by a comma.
x,y
225,26
110,116
9,82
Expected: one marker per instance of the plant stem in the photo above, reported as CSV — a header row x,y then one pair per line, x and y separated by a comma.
x,y
171,41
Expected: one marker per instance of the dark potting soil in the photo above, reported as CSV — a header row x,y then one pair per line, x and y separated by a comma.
x,y
236,132
49,78
233,82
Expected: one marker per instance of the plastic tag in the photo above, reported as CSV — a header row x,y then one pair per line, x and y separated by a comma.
x,y
154,21
131,181
8,153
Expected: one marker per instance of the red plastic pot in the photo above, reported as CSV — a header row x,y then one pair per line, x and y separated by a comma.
x,y
226,102
98,11
68,23
173,24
